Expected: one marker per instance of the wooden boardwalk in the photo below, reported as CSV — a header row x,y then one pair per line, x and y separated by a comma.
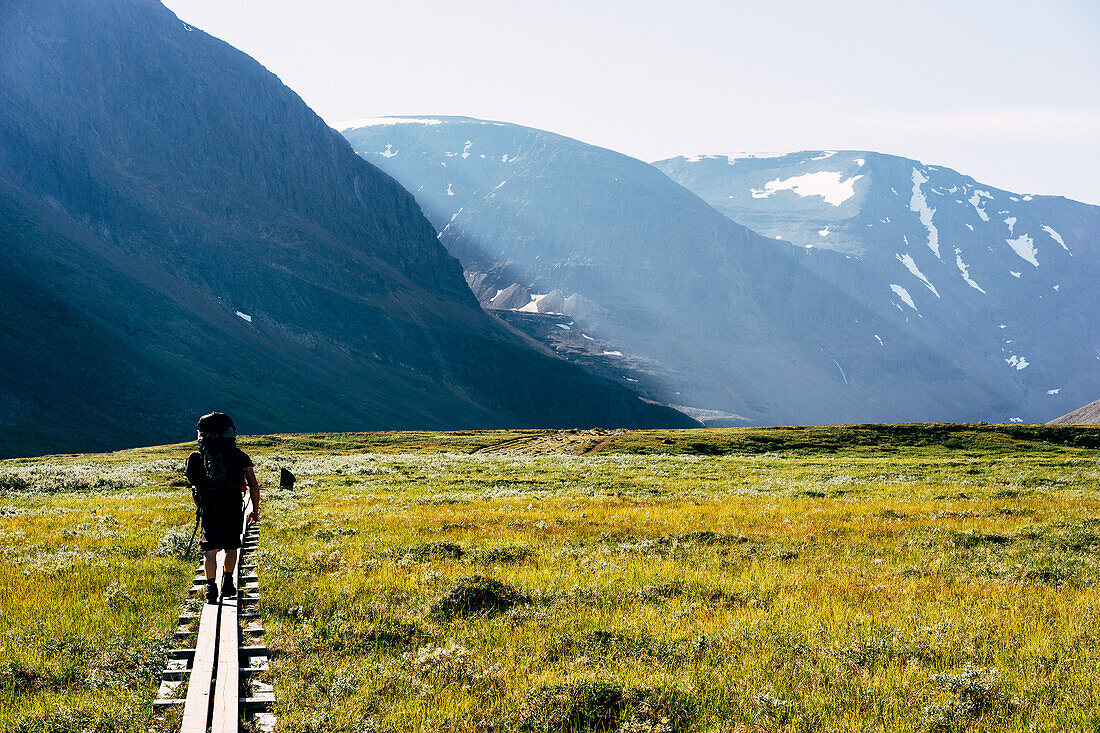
x,y
220,667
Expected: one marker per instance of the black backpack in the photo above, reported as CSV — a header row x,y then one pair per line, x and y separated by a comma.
x,y
208,467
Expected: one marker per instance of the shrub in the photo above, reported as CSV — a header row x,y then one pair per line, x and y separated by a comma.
x,y
14,483
434,551
175,544
504,555
578,706
596,705
974,693
478,596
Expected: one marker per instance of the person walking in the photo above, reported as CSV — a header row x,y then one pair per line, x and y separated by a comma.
x,y
218,473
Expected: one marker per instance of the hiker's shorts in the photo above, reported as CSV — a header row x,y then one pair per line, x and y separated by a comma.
x,y
222,520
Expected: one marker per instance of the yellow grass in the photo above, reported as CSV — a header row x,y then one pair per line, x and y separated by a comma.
x,y
916,588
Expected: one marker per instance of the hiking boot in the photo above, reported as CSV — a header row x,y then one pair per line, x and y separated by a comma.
x,y
211,592
228,589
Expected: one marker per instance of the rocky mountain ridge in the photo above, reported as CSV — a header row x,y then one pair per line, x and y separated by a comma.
x,y
863,310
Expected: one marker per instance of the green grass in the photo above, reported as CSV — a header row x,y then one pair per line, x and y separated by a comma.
x,y
894,578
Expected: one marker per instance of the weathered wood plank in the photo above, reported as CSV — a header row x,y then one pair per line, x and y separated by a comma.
x,y
196,709
226,717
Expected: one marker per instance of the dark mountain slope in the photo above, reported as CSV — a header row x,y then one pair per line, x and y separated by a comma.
x,y
180,232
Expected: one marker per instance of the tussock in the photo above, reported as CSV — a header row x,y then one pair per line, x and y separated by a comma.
x,y
478,595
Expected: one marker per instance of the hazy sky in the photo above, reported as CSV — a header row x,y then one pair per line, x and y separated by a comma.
x,y
1004,90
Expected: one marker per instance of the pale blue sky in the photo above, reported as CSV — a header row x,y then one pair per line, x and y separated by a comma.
x,y
1003,90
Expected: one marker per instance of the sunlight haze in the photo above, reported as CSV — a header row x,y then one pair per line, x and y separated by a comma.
x,y
1002,91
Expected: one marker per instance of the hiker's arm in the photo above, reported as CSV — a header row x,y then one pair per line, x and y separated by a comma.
x,y
254,491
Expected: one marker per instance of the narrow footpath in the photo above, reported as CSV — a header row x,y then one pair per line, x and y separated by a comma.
x,y
218,667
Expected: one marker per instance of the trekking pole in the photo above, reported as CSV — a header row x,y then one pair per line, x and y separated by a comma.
x,y
198,513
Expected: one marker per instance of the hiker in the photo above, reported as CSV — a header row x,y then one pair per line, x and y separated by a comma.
x,y
218,472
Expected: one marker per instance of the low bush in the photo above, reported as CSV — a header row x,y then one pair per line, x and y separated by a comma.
x,y
477,596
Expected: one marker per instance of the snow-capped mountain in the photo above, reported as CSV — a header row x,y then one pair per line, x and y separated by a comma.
x,y
711,315
1008,279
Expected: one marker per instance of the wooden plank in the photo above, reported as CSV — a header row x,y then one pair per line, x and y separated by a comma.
x,y
196,710
226,717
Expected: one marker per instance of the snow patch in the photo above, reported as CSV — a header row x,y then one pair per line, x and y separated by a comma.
x,y
533,305
842,374
389,152
504,158
1018,362
1057,287
911,265
965,270
919,204
1055,236
829,185
1024,246
466,149
976,201
450,191
825,154
1011,221
731,157
563,327
1054,391
244,316
879,340
376,121
586,336
1015,274
904,295
499,185
612,353
1015,419
860,162
823,232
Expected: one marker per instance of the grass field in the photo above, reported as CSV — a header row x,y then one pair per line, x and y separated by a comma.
x,y
893,578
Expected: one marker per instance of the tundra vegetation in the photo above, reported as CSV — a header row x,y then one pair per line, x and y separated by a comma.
x,y
892,578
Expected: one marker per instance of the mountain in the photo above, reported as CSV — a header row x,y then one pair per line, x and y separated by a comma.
x,y
180,232
1087,415
1005,281
632,270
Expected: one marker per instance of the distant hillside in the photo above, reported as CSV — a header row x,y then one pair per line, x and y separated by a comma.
x,y
181,232
1087,415
1005,282
649,281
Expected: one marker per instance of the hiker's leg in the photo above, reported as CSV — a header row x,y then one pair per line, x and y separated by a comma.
x,y
211,560
230,560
